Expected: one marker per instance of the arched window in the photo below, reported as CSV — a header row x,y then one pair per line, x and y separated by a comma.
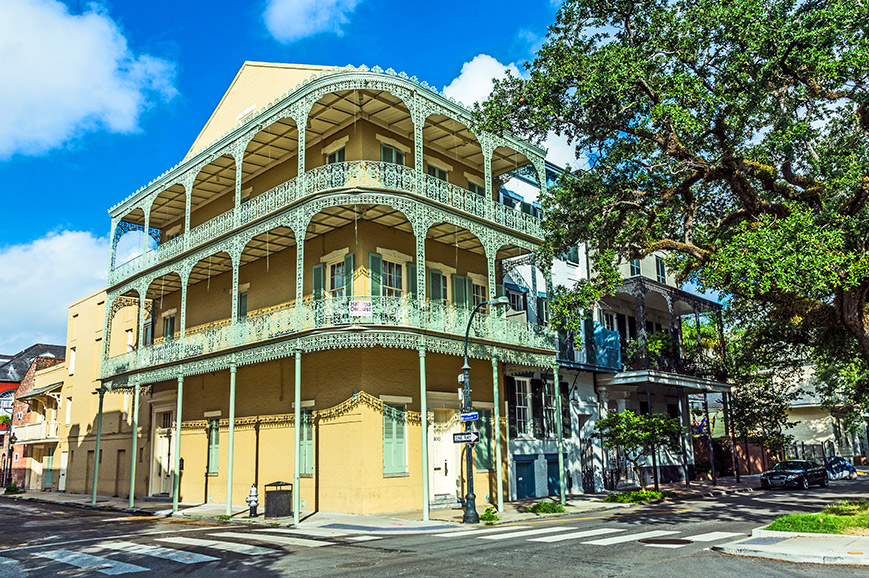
x,y
6,399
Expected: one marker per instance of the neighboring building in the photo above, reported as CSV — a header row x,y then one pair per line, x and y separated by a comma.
x,y
341,234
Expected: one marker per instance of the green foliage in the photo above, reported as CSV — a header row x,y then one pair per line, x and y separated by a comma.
x,y
490,516
637,497
848,517
731,136
224,517
12,488
546,508
4,419
639,435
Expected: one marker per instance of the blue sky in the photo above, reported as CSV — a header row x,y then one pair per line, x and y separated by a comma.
x,y
98,98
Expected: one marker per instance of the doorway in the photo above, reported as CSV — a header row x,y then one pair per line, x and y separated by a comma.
x,y
61,476
122,480
444,470
161,462
49,468
525,481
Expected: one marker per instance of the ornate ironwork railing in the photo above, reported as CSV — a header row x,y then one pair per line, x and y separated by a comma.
x,y
372,174
596,346
330,313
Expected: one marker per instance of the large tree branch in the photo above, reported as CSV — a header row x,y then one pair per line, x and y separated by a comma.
x,y
698,253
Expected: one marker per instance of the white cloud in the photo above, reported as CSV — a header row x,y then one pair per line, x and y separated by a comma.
x,y
474,84
291,20
40,279
63,75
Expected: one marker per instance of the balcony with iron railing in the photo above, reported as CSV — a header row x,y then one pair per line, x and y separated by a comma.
x,y
594,347
37,432
351,174
329,313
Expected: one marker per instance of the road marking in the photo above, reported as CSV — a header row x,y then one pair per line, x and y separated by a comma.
x,y
713,536
218,545
363,538
322,533
133,535
280,540
575,535
464,533
180,556
631,537
527,533
98,563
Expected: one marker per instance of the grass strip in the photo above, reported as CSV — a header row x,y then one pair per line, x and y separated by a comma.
x,y
848,517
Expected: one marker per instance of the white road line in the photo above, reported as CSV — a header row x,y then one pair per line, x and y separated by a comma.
x,y
180,556
528,533
320,532
218,545
131,535
465,533
713,536
98,563
575,535
364,538
631,537
280,540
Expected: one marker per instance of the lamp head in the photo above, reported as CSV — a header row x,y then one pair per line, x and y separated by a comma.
x,y
500,301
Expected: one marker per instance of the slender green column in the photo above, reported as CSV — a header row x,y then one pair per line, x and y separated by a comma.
x,y
496,427
102,392
176,452
230,444
297,437
423,410
135,444
558,428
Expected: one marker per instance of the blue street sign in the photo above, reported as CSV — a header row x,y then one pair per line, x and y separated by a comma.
x,y
471,416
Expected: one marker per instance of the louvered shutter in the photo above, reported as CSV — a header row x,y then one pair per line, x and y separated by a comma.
x,y
537,408
318,281
469,292
459,299
436,286
564,391
375,271
388,440
411,280
510,395
348,275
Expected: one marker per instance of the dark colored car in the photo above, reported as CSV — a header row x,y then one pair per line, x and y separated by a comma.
x,y
794,474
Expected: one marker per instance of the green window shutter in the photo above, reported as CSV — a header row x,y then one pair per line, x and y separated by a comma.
x,y
483,450
435,289
400,457
499,290
411,280
348,275
318,282
307,442
242,305
469,292
459,299
394,442
375,271
541,307
213,447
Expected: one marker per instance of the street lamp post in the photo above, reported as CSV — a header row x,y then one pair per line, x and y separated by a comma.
x,y
12,440
471,516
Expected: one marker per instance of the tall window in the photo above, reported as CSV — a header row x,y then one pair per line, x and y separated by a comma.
x,y
635,267
609,320
391,283
549,414
168,327
148,338
660,270
394,441
479,294
335,157
523,406
306,457
516,301
71,360
572,254
130,340
475,188
213,447
436,172
336,279
242,305
389,154
483,450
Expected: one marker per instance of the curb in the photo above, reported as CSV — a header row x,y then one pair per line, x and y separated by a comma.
x,y
81,505
737,549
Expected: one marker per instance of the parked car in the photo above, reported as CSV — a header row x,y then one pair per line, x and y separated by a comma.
x,y
839,468
794,474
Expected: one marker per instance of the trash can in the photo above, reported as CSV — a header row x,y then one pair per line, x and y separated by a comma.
x,y
279,501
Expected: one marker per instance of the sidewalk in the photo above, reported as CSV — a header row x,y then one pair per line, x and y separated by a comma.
x,y
795,547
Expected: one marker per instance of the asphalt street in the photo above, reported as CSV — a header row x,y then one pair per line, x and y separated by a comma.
x,y
669,539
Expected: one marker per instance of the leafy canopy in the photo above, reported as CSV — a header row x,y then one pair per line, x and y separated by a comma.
x,y
733,136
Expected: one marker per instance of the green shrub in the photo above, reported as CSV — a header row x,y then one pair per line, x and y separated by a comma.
x,y
12,488
224,517
546,508
637,497
490,516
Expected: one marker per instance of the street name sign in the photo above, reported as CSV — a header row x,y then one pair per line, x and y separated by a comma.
x,y
471,416
466,437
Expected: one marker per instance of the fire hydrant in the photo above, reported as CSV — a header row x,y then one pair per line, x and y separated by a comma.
x,y
252,500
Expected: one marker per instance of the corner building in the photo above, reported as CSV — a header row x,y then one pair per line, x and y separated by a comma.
x,y
305,279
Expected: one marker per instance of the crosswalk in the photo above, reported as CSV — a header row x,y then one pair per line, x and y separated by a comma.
x,y
210,544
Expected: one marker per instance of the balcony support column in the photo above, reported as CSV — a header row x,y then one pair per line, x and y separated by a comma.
x,y
182,323
301,124
418,116
488,150
297,437
709,438
239,161
102,393
146,231
684,421
143,294
234,295
423,412
421,289
176,450
188,195
231,439
654,448
300,265
675,329
560,433
729,427
640,312
135,443
496,428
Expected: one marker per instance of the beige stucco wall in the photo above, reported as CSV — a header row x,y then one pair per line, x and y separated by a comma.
x,y
813,425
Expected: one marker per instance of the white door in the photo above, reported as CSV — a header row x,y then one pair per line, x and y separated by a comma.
x,y
61,476
444,468
161,470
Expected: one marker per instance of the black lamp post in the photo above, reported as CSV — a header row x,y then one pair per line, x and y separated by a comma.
x,y
12,440
471,516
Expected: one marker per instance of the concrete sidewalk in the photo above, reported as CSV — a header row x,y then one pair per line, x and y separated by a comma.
x,y
796,547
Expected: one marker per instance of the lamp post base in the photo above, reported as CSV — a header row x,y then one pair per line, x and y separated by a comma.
x,y
470,516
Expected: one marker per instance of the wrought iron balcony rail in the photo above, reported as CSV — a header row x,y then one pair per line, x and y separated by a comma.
x,y
333,313
373,174
599,347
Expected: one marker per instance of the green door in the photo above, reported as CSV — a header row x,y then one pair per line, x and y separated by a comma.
x,y
49,466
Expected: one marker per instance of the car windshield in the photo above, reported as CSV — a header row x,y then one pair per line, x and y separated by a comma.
x,y
789,465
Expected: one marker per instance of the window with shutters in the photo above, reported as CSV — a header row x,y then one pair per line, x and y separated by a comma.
x,y
336,279
391,280
148,336
168,327
480,294
483,454
661,270
242,305
438,287
550,427
436,172
394,439
390,154
306,447
523,407
213,447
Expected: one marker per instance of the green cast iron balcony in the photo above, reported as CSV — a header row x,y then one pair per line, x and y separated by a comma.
x,y
329,313
351,174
